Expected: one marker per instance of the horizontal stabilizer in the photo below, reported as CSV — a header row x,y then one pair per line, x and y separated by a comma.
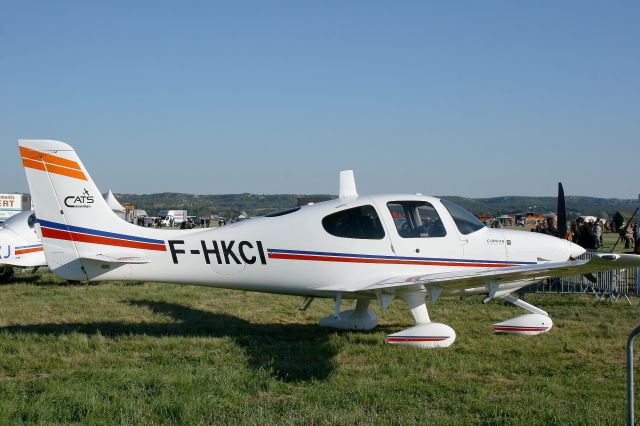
x,y
117,258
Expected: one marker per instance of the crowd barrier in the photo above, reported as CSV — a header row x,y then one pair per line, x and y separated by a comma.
x,y
608,284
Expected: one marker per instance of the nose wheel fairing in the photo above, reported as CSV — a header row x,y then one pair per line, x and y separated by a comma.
x,y
535,322
525,325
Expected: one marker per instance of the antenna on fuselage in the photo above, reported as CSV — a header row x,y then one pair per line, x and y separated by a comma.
x,y
347,185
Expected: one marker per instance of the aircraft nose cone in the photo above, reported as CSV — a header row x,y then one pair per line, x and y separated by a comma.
x,y
575,250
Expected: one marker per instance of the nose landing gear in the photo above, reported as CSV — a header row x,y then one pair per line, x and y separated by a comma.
x,y
532,324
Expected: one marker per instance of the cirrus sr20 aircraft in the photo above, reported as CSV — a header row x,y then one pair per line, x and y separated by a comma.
x,y
382,247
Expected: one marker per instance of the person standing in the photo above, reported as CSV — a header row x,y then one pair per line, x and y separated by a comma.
x,y
576,230
618,221
597,228
629,236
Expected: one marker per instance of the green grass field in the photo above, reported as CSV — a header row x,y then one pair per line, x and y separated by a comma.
x,y
150,353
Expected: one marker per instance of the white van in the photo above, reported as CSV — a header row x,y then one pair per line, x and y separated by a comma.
x,y
172,217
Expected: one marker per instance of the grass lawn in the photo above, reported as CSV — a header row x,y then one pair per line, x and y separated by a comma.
x,y
165,354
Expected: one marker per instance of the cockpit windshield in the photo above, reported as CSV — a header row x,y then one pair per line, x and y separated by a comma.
x,y
465,221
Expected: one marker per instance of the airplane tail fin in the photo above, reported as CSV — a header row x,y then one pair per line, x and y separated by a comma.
x,y
75,221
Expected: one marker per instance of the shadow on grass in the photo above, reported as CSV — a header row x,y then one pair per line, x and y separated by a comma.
x,y
292,352
25,279
46,280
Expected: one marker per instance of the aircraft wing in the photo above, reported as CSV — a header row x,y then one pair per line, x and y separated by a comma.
x,y
468,279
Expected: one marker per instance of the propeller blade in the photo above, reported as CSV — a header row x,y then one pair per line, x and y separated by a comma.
x,y
561,213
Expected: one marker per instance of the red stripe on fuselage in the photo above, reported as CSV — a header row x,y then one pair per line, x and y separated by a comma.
x,y
519,328
94,239
288,256
416,339
29,250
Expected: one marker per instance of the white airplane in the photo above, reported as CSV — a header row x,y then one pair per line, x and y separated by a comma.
x,y
20,246
365,248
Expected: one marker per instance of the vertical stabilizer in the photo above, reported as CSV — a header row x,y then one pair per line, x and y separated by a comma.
x,y
347,185
75,221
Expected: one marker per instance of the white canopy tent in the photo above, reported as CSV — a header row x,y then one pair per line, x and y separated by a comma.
x,y
115,205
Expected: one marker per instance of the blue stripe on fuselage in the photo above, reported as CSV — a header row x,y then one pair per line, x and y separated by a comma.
x,y
81,230
372,256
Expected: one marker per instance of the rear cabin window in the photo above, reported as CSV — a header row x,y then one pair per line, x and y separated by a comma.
x,y
359,222
416,219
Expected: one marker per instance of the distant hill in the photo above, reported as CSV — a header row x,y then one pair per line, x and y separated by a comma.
x,y
576,205
230,205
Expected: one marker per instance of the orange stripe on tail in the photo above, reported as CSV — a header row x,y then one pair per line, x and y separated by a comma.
x,y
51,163
32,164
65,172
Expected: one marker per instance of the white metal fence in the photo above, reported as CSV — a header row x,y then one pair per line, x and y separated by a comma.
x,y
614,283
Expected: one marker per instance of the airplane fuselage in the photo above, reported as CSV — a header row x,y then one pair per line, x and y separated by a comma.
x,y
302,251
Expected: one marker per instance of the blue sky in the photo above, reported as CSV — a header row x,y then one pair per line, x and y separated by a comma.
x,y
458,98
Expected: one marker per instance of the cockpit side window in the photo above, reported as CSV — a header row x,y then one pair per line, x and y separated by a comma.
x,y
416,219
359,222
465,221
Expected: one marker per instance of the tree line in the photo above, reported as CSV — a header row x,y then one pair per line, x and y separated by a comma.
x,y
231,205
